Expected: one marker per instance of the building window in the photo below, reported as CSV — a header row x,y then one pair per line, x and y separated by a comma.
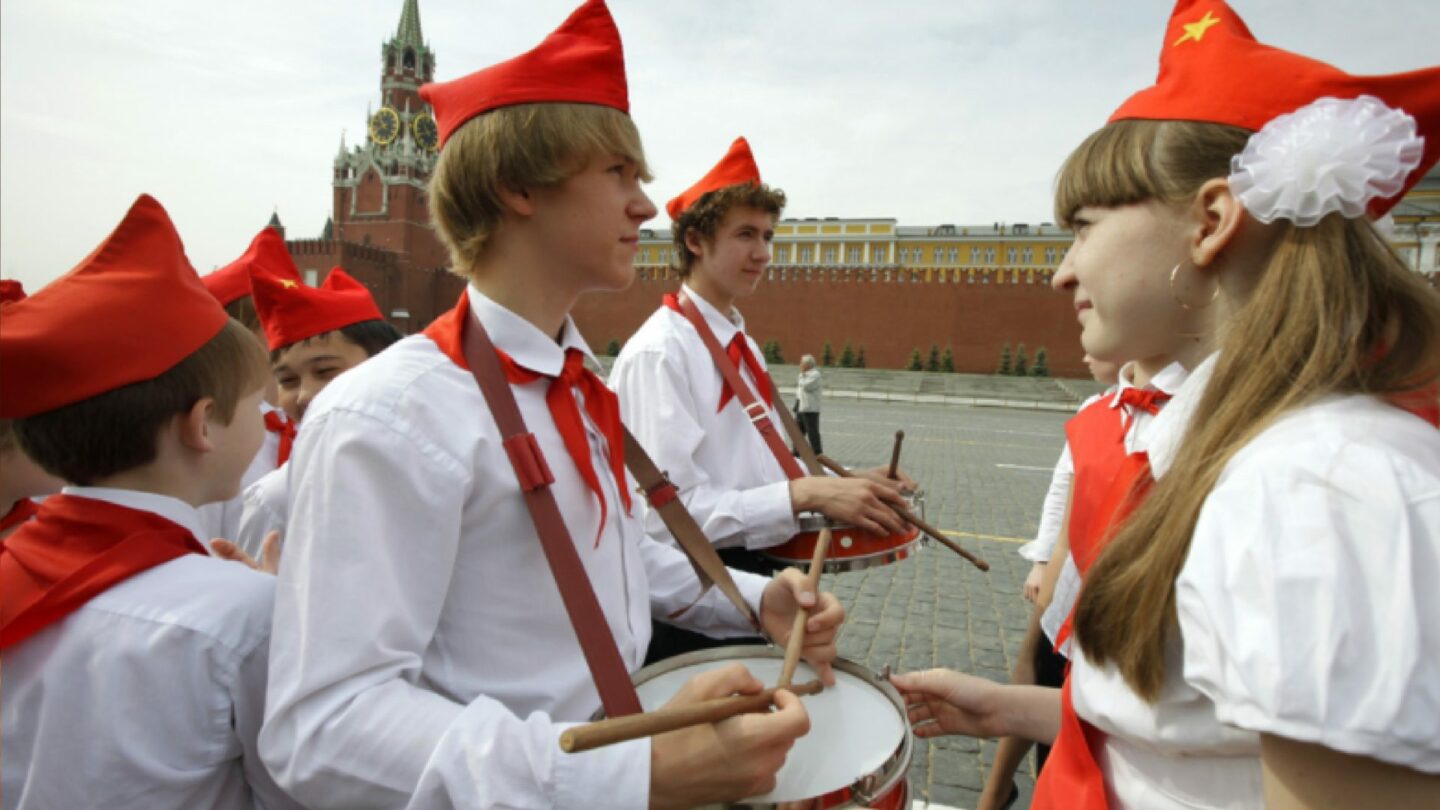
x,y
1050,256
989,259
805,255
312,278
829,255
954,255
879,253
1009,255
939,255
1027,256
853,255
974,255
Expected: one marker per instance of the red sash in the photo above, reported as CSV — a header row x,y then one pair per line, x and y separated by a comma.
x,y
1072,779
23,510
1105,478
75,549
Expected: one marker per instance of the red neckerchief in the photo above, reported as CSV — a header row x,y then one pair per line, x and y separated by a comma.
x,y
1423,402
600,402
277,423
23,510
739,353
1148,400
75,549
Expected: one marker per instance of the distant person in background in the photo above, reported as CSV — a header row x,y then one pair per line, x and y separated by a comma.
x,y
808,389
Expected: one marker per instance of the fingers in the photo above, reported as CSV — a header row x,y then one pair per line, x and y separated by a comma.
x,y
789,718
727,680
270,552
226,550
826,618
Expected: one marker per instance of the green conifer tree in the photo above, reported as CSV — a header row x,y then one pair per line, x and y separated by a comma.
x,y
1022,363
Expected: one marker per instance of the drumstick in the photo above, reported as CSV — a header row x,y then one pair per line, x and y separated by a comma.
x,y
632,727
797,630
933,532
892,474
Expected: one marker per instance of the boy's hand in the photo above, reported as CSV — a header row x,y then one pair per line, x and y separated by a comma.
x,y
729,760
269,553
855,501
787,593
907,484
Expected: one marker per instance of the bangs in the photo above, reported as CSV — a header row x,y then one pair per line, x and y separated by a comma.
x,y
1109,169
564,137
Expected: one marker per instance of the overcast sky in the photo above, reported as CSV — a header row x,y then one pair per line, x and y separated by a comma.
x,y
929,111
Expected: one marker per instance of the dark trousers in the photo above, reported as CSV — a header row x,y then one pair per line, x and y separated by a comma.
x,y
668,641
810,426
1049,671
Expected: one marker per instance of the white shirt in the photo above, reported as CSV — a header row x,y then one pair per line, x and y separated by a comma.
x,y
267,507
147,696
1305,607
421,652
223,518
669,389
1138,432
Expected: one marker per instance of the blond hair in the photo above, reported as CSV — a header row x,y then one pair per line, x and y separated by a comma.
x,y
522,146
1353,319
706,214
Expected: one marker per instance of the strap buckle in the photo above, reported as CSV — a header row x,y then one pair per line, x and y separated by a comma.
x,y
757,411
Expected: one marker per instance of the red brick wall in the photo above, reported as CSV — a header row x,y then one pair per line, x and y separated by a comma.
x,y
890,319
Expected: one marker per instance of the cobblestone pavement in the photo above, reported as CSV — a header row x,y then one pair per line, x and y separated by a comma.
x,y
984,472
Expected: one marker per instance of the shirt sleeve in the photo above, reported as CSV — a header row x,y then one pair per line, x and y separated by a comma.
x,y
249,706
1308,599
656,405
259,516
1052,514
674,587
374,533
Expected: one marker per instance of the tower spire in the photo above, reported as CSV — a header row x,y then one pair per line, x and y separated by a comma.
x,y
408,33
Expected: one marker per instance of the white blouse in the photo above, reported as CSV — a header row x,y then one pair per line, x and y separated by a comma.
x,y
1308,609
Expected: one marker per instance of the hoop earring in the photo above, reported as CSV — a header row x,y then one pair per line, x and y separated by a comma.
x,y
1173,294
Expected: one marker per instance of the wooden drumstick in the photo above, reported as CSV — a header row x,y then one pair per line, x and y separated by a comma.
x,y
797,630
893,472
670,718
909,516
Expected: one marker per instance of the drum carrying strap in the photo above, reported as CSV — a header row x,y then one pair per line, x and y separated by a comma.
x,y
612,678
754,409
665,499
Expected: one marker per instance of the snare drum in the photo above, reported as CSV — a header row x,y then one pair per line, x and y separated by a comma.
x,y
851,548
857,753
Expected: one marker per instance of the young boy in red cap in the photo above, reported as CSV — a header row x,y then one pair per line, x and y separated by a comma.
x,y
134,662
427,657
745,492
20,478
315,334
231,287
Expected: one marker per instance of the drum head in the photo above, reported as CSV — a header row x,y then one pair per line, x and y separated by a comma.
x,y
854,727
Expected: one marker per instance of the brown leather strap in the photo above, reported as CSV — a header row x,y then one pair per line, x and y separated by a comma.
x,y
612,678
797,436
664,498
754,409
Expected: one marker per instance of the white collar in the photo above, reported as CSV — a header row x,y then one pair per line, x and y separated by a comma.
x,y
1167,381
1174,419
172,509
724,326
522,340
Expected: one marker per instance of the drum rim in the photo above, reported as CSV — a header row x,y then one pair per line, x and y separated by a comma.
x,y
858,562
813,522
895,768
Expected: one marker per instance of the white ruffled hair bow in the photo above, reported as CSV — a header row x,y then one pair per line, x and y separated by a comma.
x,y
1330,155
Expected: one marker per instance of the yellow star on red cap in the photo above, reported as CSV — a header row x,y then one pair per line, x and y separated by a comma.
x,y
1196,30
289,283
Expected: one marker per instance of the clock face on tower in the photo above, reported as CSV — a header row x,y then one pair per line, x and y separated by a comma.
x,y
427,135
384,126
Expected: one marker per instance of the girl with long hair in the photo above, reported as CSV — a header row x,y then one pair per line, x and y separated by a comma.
x,y
1264,627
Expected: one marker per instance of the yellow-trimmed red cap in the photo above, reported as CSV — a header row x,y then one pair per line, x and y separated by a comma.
x,y
130,311
1212,69
291,311
736,168
581,62
267,250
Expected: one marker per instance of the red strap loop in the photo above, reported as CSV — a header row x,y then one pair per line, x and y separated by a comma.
x,y
529,462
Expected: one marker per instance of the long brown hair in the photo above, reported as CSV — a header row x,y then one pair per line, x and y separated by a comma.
x,y
1334,310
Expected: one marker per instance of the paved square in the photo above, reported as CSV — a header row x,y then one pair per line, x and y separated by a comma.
x,y
984,472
